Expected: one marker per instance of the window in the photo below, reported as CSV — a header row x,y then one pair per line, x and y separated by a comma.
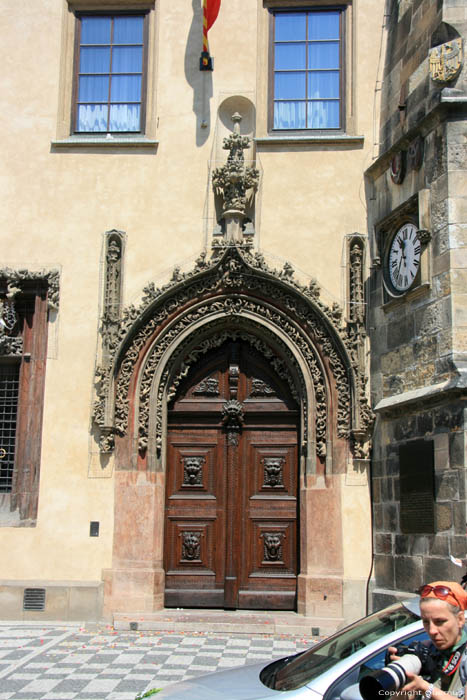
x,y
307,69
24,301
110,73
9,388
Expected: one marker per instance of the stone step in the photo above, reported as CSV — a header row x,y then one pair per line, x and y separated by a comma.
x,y
232,621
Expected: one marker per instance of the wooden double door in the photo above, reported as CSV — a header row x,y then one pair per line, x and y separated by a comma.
x,y
231,499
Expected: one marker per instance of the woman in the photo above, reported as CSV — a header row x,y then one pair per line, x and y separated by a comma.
x,y
442,605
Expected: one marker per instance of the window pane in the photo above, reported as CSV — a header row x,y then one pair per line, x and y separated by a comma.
x,y
290,56
323,84
290,26
323,115
323,25
92,118
289,115
128,30
95,30
124,118
127,60
93,88
324,55
290,85
94,59
126,88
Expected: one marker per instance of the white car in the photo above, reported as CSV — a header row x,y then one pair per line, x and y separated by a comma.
x,y
330,670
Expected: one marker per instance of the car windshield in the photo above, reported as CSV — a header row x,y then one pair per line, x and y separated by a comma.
x,y
295,671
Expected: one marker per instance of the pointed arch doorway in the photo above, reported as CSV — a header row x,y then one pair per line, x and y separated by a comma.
x,y
231,516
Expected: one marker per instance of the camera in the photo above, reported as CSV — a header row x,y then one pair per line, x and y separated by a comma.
x,y
416,658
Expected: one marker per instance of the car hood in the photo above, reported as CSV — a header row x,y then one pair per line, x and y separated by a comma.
x,y
240,683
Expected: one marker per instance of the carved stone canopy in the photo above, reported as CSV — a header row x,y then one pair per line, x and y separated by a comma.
x,y
234,293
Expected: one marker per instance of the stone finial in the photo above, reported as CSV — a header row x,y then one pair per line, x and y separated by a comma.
x,y
235,183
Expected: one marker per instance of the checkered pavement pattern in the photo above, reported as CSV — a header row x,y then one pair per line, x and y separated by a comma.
x,y
70,663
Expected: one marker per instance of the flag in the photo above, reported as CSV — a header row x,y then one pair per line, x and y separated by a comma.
x,y
212,10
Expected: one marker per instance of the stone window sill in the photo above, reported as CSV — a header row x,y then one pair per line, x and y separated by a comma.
x,y
300,139
106,142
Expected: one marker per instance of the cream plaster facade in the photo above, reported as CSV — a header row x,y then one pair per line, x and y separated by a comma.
x,y
60,194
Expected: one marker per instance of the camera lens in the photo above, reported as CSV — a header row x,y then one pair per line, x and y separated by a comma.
x,y
390,678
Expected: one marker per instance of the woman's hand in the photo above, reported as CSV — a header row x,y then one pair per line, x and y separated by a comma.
x,y
393,653
416,684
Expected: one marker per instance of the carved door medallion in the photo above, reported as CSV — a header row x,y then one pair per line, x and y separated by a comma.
x,y
231,502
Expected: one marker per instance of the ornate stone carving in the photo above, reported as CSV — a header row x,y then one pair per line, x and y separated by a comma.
x,y
424,236
235,184
10,342
232,420
415,153
208,387
16,281
260,388
114,241
273,471
272,542
357,295
446,61
191,546
233,287
193,470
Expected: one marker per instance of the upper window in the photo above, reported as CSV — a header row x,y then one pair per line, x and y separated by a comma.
x,y
110,73
307,69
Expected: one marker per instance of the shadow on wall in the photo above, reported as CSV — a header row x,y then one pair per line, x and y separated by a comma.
x,y
200,81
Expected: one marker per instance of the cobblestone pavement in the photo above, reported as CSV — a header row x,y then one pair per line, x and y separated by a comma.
x,y
64,662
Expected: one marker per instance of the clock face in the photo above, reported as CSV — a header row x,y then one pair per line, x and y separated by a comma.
x,y
403,259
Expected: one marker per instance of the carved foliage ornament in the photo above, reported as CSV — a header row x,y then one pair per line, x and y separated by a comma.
x,y
15,280
208,387
11,342
293,308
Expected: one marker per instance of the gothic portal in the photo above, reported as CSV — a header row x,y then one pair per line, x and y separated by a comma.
x,y
234,402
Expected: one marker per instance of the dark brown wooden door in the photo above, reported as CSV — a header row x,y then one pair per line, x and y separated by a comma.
x,y
231,503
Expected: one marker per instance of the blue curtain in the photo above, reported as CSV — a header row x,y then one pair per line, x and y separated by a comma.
x,y
323,114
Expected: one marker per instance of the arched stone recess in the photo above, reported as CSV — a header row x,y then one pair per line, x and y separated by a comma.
x,y
234,296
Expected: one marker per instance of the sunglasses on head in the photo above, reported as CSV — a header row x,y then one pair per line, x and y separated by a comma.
x,y
439,591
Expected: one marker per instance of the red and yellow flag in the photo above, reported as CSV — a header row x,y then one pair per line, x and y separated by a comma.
x,y
210,12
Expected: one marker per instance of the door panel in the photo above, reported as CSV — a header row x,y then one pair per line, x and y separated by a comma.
x,y
231,505
194,518
270,508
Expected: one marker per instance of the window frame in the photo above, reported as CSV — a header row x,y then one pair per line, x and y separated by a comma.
x,y
275,10
79,14
19,502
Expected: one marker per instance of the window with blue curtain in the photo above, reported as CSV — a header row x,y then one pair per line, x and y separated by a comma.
x,y
109,88
307,69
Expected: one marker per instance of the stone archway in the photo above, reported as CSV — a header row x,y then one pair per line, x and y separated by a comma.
x,y
234,295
